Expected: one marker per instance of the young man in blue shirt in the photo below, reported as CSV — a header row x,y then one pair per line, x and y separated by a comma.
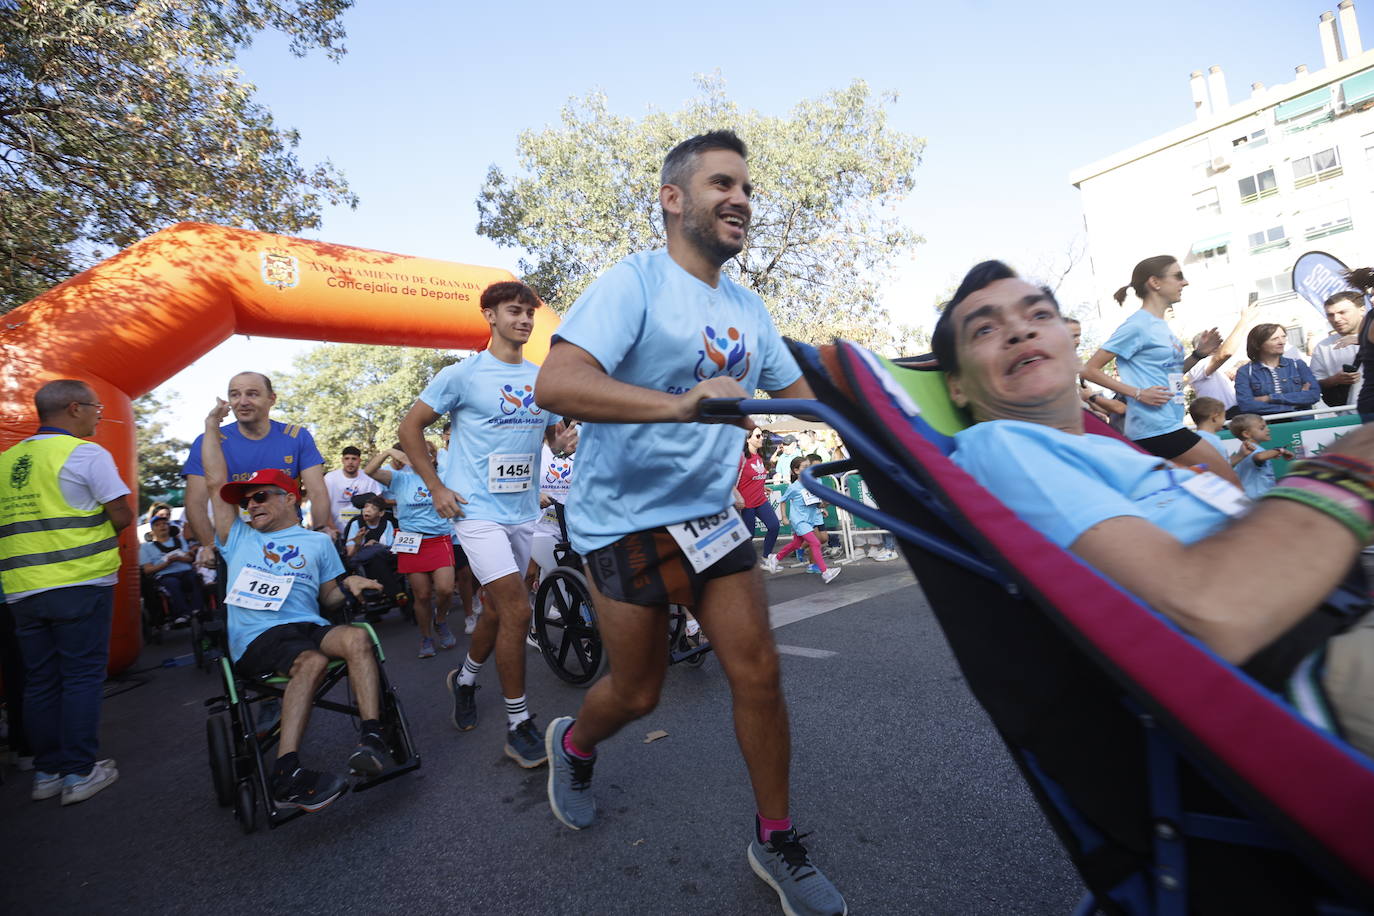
x,y
278,576
642,347
488,487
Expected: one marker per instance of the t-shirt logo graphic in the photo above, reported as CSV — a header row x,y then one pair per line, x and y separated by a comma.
x,y
725,354
558,471
512,399
421,495
19,474
284,553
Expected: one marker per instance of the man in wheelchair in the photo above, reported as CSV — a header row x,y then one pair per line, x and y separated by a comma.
x,y
1010,362
166,561
278,576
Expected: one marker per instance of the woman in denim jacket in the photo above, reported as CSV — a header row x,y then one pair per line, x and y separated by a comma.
x,y
1271,382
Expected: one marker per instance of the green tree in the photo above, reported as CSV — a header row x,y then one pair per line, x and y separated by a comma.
x,y
120,117
160,456
351,394
826,177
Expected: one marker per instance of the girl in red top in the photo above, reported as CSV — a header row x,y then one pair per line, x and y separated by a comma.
x,y
751,496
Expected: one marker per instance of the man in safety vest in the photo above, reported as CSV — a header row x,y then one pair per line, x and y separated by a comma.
x,y
62,506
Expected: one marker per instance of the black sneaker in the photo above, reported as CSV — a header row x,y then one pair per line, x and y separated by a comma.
x,y
307,789
525,745
370,757
801,887
464,702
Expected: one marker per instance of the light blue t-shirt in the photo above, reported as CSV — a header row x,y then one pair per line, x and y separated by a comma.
x,y
414,507
491,405
650,323
1147,354
1213,440
148,553
286,447
1257,478
1062,484
803,518
308,557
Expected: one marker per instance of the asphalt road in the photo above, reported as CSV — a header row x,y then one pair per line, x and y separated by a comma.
x,y
913,805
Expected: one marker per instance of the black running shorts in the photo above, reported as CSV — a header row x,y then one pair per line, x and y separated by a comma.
x,y
274,651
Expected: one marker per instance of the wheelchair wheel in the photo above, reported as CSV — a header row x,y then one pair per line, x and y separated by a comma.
x,y
221,760
565,626
246,806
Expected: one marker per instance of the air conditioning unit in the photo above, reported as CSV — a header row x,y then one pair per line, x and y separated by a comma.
x,y
1220,164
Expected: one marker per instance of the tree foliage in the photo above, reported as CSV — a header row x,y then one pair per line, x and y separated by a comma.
x,y
824,238
120,117
160,456
351,394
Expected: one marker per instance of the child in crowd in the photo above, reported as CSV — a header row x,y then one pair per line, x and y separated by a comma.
x,y
1253,467
1210,416
804,518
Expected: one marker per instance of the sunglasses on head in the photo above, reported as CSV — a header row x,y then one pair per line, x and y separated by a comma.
x,y
259,498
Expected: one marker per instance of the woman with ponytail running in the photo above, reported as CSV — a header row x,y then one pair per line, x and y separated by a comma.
x,y
1152,363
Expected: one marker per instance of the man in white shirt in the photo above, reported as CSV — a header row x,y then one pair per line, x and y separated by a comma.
x,y
1339,349
344,483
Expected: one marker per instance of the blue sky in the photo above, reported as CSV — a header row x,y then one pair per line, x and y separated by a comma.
x,y
1010,97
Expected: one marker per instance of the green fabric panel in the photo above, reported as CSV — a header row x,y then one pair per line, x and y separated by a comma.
x,y
928,390
1358,88
1310,101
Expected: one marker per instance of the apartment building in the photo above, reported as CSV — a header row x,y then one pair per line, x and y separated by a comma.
x,y
1244,189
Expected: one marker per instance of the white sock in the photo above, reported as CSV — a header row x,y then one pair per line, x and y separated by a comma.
x,y
468,676
517,711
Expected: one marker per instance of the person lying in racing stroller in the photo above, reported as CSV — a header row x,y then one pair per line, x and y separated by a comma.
x,y
279,574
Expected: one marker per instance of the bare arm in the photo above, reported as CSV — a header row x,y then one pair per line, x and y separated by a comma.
x,y
572,383
331,597
216,471
376,468
320,517
1232,342
1212,590
412,435
197,515
1093,372
120,513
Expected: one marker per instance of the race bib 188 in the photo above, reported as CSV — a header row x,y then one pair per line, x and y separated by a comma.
x,y
258,590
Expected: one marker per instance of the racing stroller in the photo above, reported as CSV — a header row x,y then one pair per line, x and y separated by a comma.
x,y
1176,782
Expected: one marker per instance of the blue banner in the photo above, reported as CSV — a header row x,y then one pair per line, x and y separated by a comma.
x,y
1317,276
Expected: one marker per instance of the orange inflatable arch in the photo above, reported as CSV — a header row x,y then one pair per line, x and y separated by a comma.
x,y
132,322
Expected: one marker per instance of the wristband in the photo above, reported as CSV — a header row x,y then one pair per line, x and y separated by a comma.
x,y
1196,357
1336,474
1363,530
1352,501
339,581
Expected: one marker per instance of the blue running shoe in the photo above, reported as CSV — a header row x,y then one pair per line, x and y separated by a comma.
x,y
784,865
570,779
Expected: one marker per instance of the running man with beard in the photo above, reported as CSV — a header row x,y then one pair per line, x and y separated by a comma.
x,y
642,347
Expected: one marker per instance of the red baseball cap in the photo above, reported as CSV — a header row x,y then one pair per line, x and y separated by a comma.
x,y
267,477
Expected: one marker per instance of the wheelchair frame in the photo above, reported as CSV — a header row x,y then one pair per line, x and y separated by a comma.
x,y
239,773
571,645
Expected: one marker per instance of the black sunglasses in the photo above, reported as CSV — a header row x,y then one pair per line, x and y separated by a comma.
x,y
259,498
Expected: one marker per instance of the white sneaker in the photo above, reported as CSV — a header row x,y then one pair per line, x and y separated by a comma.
x,y
830,574
769,564
78,789
470,624
886,555
46,785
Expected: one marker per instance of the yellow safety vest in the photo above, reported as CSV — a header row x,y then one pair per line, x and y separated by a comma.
x,y
45,541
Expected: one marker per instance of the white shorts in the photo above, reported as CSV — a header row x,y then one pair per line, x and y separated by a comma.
x,y
495,549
